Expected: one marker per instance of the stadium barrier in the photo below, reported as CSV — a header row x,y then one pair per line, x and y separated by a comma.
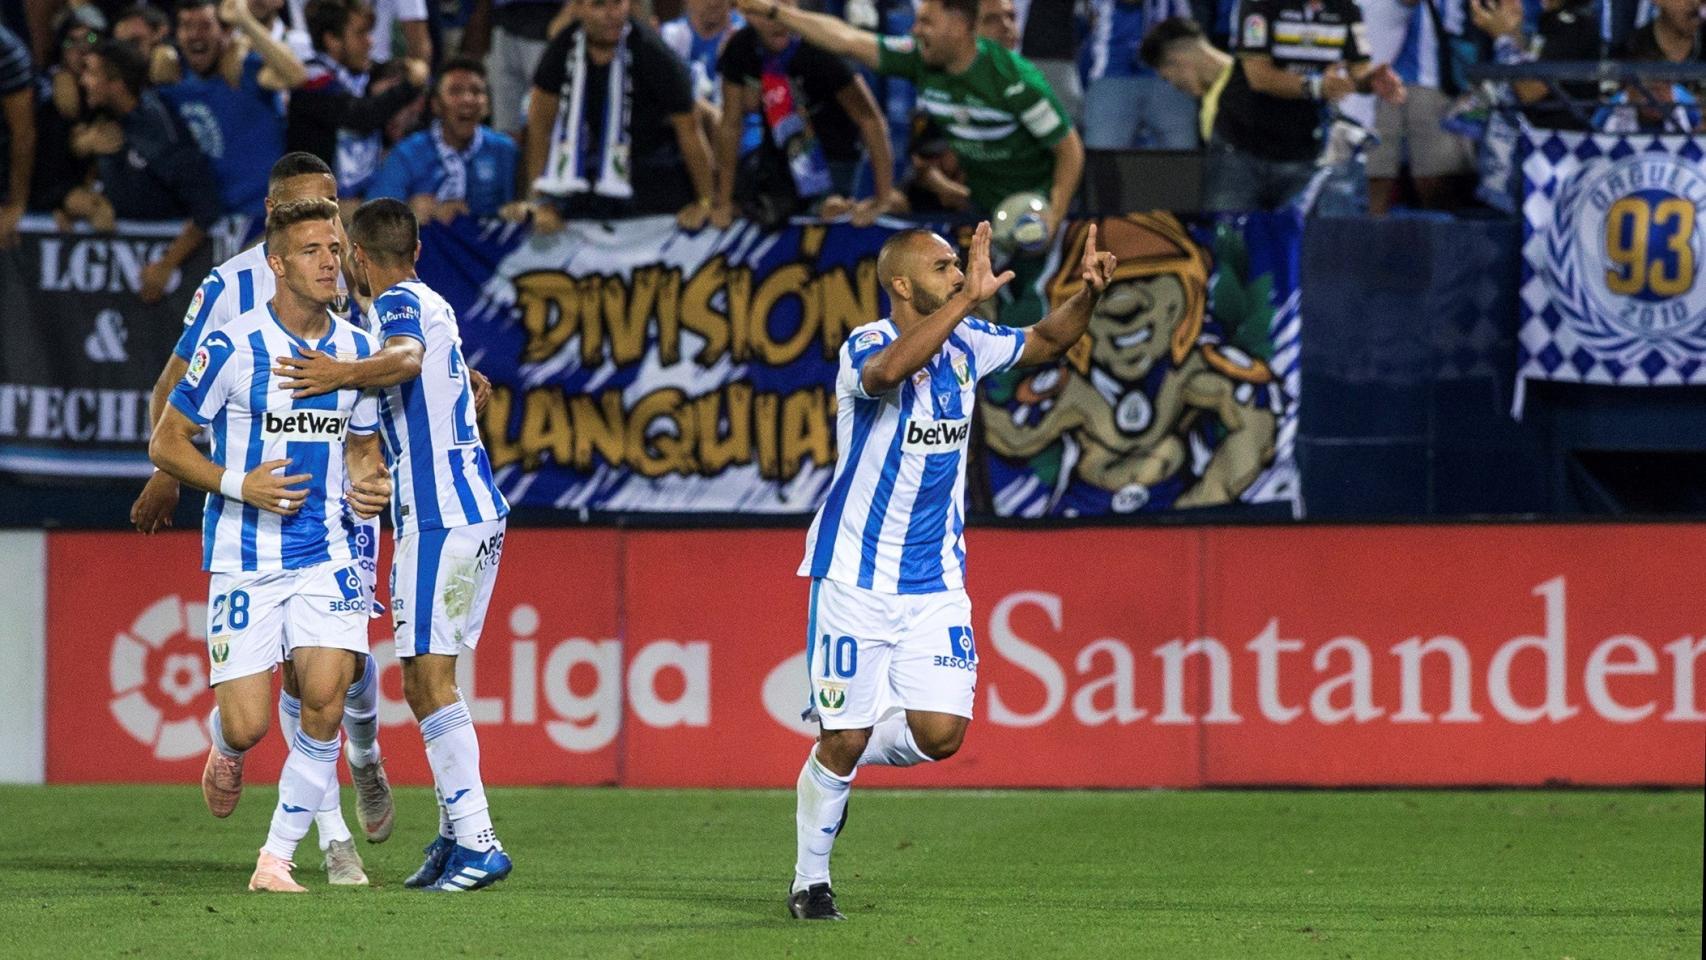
x,y
1132,657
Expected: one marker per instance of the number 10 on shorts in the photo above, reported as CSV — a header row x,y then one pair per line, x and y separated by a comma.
x,y
840,657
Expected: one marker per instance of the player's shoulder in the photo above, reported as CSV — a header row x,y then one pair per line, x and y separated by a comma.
x,y
341,327
866,336
252,258
404,298
242,325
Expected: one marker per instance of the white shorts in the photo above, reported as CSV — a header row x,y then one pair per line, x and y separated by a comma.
x,y
871,653
441,584
255,620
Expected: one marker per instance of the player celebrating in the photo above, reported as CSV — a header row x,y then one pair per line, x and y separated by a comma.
x,y
235,287
282,550
891,658
448,519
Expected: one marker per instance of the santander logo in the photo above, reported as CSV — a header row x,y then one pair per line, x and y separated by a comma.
x,y
1541,677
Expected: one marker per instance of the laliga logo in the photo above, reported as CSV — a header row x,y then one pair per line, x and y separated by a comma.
x,y
158,674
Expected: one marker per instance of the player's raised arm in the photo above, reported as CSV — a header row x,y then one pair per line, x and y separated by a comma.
x,y
818,29
921,338
1056,333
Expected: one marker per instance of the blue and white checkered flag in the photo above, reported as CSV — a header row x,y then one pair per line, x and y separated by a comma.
x,y
1614,235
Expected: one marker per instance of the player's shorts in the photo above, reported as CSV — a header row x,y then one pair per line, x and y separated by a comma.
x,y
872,652
255,620
441,584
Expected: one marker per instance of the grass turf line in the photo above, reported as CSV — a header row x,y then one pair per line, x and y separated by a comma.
x,y
144,871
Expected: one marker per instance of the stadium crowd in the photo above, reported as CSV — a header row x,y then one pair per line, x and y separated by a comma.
x,y
544,110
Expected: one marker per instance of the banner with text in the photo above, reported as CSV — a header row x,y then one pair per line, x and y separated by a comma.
x,y
639,368
80,351
1329,656
1614,235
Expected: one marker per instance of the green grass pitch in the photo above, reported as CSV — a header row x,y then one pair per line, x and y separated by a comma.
x,y
145,872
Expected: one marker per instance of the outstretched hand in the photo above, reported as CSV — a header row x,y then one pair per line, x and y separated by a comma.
x,y
981,281
1097,266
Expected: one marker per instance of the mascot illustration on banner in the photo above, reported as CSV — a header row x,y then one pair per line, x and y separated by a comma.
x,y
1155,408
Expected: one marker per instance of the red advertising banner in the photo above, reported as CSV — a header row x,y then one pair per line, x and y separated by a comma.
x,y
1108,657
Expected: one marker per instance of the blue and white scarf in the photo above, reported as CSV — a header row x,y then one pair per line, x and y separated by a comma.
x,y
566,169
454,163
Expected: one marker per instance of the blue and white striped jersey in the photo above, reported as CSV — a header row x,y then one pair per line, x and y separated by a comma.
x,y
230,290
894,520
440,474
230,388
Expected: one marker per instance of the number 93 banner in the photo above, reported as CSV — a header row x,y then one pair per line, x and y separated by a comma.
x,y
1612,250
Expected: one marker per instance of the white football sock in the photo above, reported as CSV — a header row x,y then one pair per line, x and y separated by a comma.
x,y
301,789
361,717
892,744
821,799
329,813
453,751
217,731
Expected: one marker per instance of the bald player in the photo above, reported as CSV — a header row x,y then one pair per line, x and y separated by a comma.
x,y
891,658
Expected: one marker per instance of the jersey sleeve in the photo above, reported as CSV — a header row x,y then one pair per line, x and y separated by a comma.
x,y
207,383
1255,27
399,313
364,418
1036,106
897,56
856,353
196,319
996,348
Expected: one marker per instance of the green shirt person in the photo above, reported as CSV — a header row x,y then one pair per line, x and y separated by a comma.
x,y
1004,122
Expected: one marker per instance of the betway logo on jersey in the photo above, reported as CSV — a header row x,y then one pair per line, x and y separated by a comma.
x,y
304,426
935,436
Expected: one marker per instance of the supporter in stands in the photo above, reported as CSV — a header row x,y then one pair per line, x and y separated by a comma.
x,y
697,37
1567,30
156,172
1676,35
998,20
1295,57
811,154
610,127
228,96
1049,34
18,127
143,27
1009,131
459,166
1180,53
511,36
339,113
1125,104
1415,36
59,110
407,17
